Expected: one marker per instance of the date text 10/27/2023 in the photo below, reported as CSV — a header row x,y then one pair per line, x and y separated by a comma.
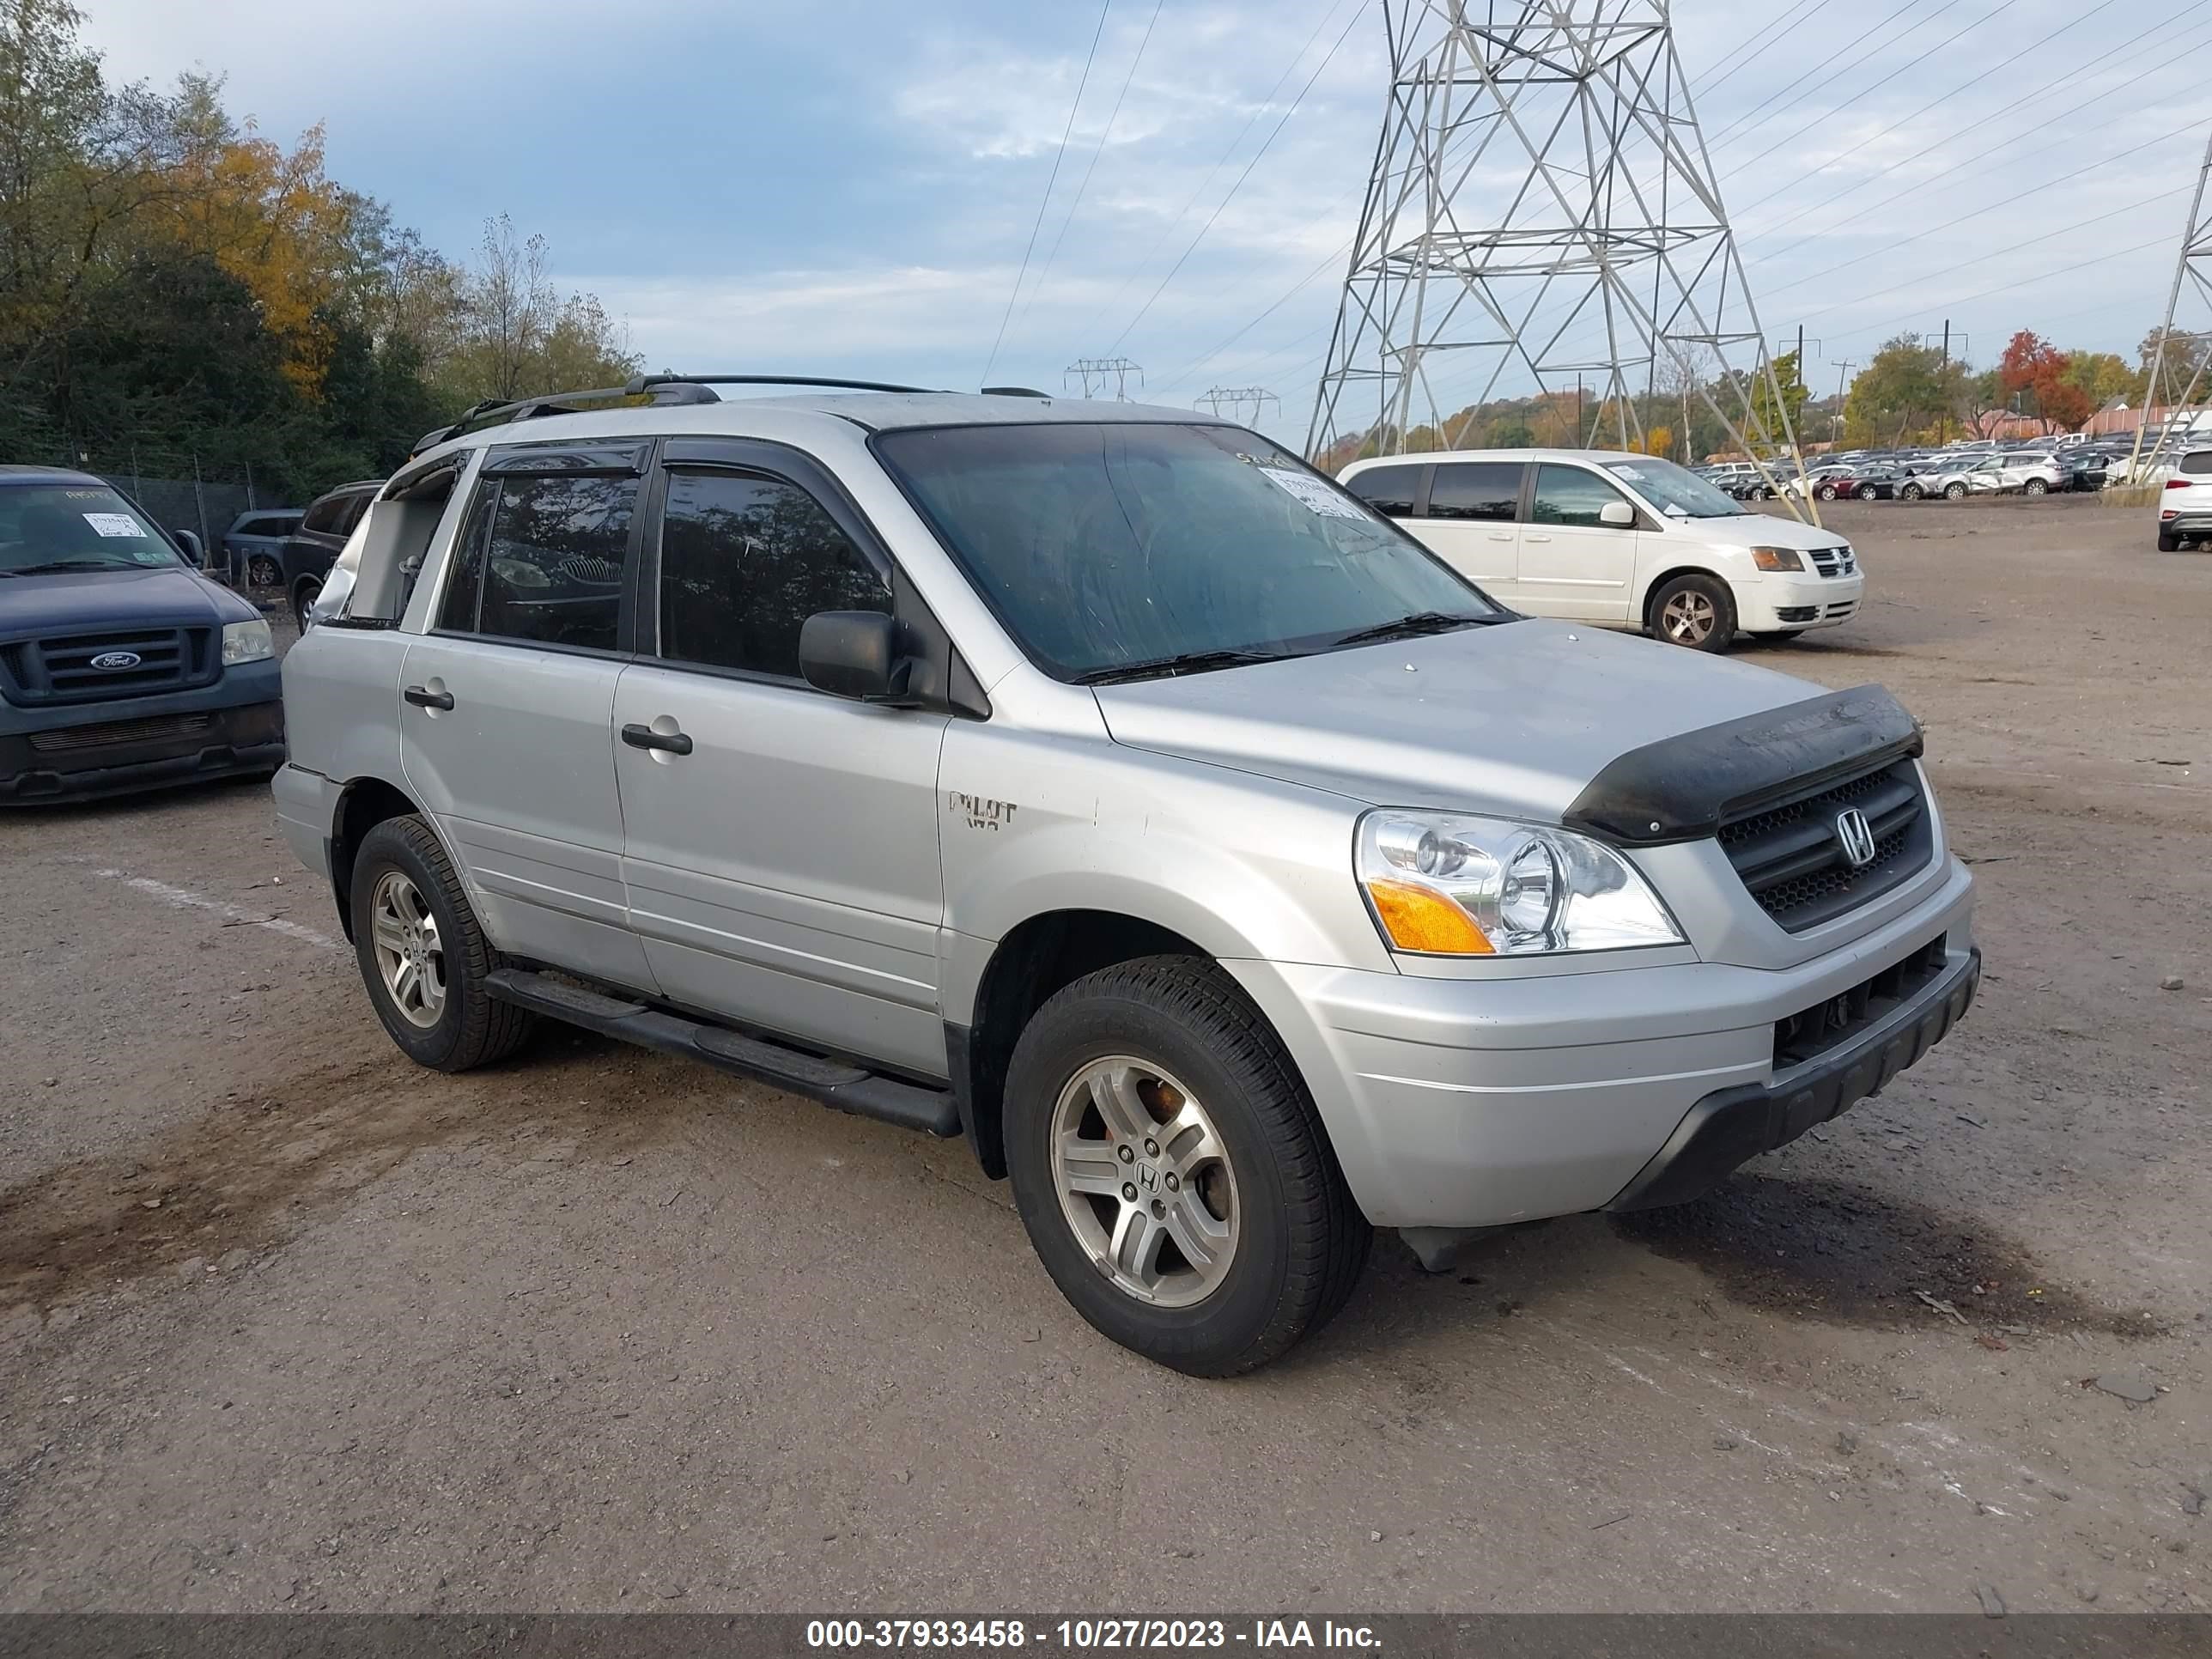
x,y
1087,1634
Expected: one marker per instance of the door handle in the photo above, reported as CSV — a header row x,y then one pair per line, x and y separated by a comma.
x,y
1501,536
1536,538
644,736
424,697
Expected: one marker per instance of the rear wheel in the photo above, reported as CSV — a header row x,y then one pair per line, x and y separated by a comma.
x,y
1826,492
1955,491
2167,543
261,571
423,954
1698,611
2034,487
1171,1171
1867,492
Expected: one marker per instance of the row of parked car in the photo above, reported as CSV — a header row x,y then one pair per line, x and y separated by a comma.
x,y
1949,474
292,548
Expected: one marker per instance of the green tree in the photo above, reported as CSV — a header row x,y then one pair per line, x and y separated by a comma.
x,y
1906,387
1768,424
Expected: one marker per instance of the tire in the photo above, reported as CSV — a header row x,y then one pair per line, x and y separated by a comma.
x,y
1295,1240
303,598
1868,492
1682,596
1762,494
400,857
262,571
2034,487
1826,492
2168,544
1955,491
1910,492
1779,636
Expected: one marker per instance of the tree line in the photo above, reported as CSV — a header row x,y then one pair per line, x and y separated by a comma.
x,y
178,289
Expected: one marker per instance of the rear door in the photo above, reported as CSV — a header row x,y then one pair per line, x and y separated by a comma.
x,y
781,846
506,704
1470,518
1571,564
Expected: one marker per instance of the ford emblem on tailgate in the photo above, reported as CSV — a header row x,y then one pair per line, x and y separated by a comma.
x,y
115,660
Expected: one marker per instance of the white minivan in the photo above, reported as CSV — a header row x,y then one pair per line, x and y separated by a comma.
x,y
1602,537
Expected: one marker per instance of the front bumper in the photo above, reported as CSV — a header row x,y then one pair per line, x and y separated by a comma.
x,y
1776,603
82,751
1479,1101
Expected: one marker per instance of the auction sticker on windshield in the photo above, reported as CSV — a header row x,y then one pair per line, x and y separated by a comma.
x,y
115,524
1316,495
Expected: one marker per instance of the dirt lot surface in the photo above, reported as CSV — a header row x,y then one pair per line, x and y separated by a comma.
x,y
287,1323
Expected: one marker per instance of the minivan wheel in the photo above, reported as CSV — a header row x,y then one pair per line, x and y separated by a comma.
x,y
303,600
1171,1171
423,955
1698,611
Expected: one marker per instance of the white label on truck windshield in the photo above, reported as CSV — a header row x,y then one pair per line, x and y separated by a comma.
x,y
115,524
1315,495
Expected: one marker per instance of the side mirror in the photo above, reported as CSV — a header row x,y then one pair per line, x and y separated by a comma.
x,y
1617,515
195,554
851,653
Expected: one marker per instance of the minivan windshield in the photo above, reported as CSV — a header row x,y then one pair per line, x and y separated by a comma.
x,y
1675,490
59,527
1121,550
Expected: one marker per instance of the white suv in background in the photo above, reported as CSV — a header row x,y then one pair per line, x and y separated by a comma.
x,y
1604,537
2185,506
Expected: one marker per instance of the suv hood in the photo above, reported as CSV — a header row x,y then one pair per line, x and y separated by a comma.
x,y
1514,718
78,601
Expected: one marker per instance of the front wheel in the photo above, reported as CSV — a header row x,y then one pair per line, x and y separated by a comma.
x,y
1909,493
1954,492
423,954
1826,492
1171,1171
303,600
1868,492
1698,611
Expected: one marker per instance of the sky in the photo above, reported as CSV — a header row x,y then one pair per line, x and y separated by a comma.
x,y
838,187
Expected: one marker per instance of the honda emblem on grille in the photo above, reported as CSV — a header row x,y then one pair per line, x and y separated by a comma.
x,y
1856,835
113,660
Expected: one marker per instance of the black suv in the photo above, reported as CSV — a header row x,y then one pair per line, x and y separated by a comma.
x,y
310,550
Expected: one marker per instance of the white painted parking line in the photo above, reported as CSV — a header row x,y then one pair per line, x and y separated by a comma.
x,y
183,898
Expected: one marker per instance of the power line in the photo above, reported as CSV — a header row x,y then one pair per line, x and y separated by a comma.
x,y
2027,282
1814,73
1222,160
1746,54
1283,299
1052,179
1084,183
2005,62
1257,157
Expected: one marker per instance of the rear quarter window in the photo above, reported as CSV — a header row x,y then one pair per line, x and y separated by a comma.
x,y
2198,463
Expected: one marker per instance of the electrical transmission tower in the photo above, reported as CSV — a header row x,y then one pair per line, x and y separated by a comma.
x,y
1236,399
1097,373
1542,217
2177,352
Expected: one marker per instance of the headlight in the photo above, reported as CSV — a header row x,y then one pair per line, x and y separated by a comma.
x,y
1445,883
1776,558
246,641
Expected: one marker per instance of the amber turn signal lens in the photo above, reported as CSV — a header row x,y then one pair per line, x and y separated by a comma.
x,y
1418,920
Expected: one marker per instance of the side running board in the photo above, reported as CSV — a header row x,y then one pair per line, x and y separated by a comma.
x,y
833,1083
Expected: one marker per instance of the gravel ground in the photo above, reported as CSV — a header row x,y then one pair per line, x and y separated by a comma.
x,y
287,1323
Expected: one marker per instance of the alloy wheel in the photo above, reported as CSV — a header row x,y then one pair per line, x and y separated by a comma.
x,y
410,957
1688,618
1144,1182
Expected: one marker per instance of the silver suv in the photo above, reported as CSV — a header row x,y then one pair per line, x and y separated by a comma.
x,y
1103,785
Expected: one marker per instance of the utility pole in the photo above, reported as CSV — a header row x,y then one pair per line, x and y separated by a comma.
x,y
1235,399
1943,380
1097,373
1541,160
1843,378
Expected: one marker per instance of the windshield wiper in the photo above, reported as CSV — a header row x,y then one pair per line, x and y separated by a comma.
x,y
1188,662
1407,628
51,566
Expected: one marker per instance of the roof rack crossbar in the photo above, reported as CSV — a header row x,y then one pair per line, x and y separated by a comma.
x,y
643,383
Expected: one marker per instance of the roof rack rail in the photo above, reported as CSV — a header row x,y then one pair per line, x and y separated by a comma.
x,y
494,411
643,383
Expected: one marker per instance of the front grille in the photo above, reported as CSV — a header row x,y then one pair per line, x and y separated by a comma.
x,y
1791,858
1834,562
61,669
108,733
1811,1032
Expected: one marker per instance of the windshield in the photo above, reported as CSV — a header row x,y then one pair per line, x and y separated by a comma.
x,y
1115,545
1675,490
75,527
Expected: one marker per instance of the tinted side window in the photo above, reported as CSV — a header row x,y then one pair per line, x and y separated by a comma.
x,y
745,560
1569,495
324,514
1390,489
1476,489
2198,463
350,512
547,552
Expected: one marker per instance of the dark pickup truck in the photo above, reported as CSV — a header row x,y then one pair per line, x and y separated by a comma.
x,y
122,667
